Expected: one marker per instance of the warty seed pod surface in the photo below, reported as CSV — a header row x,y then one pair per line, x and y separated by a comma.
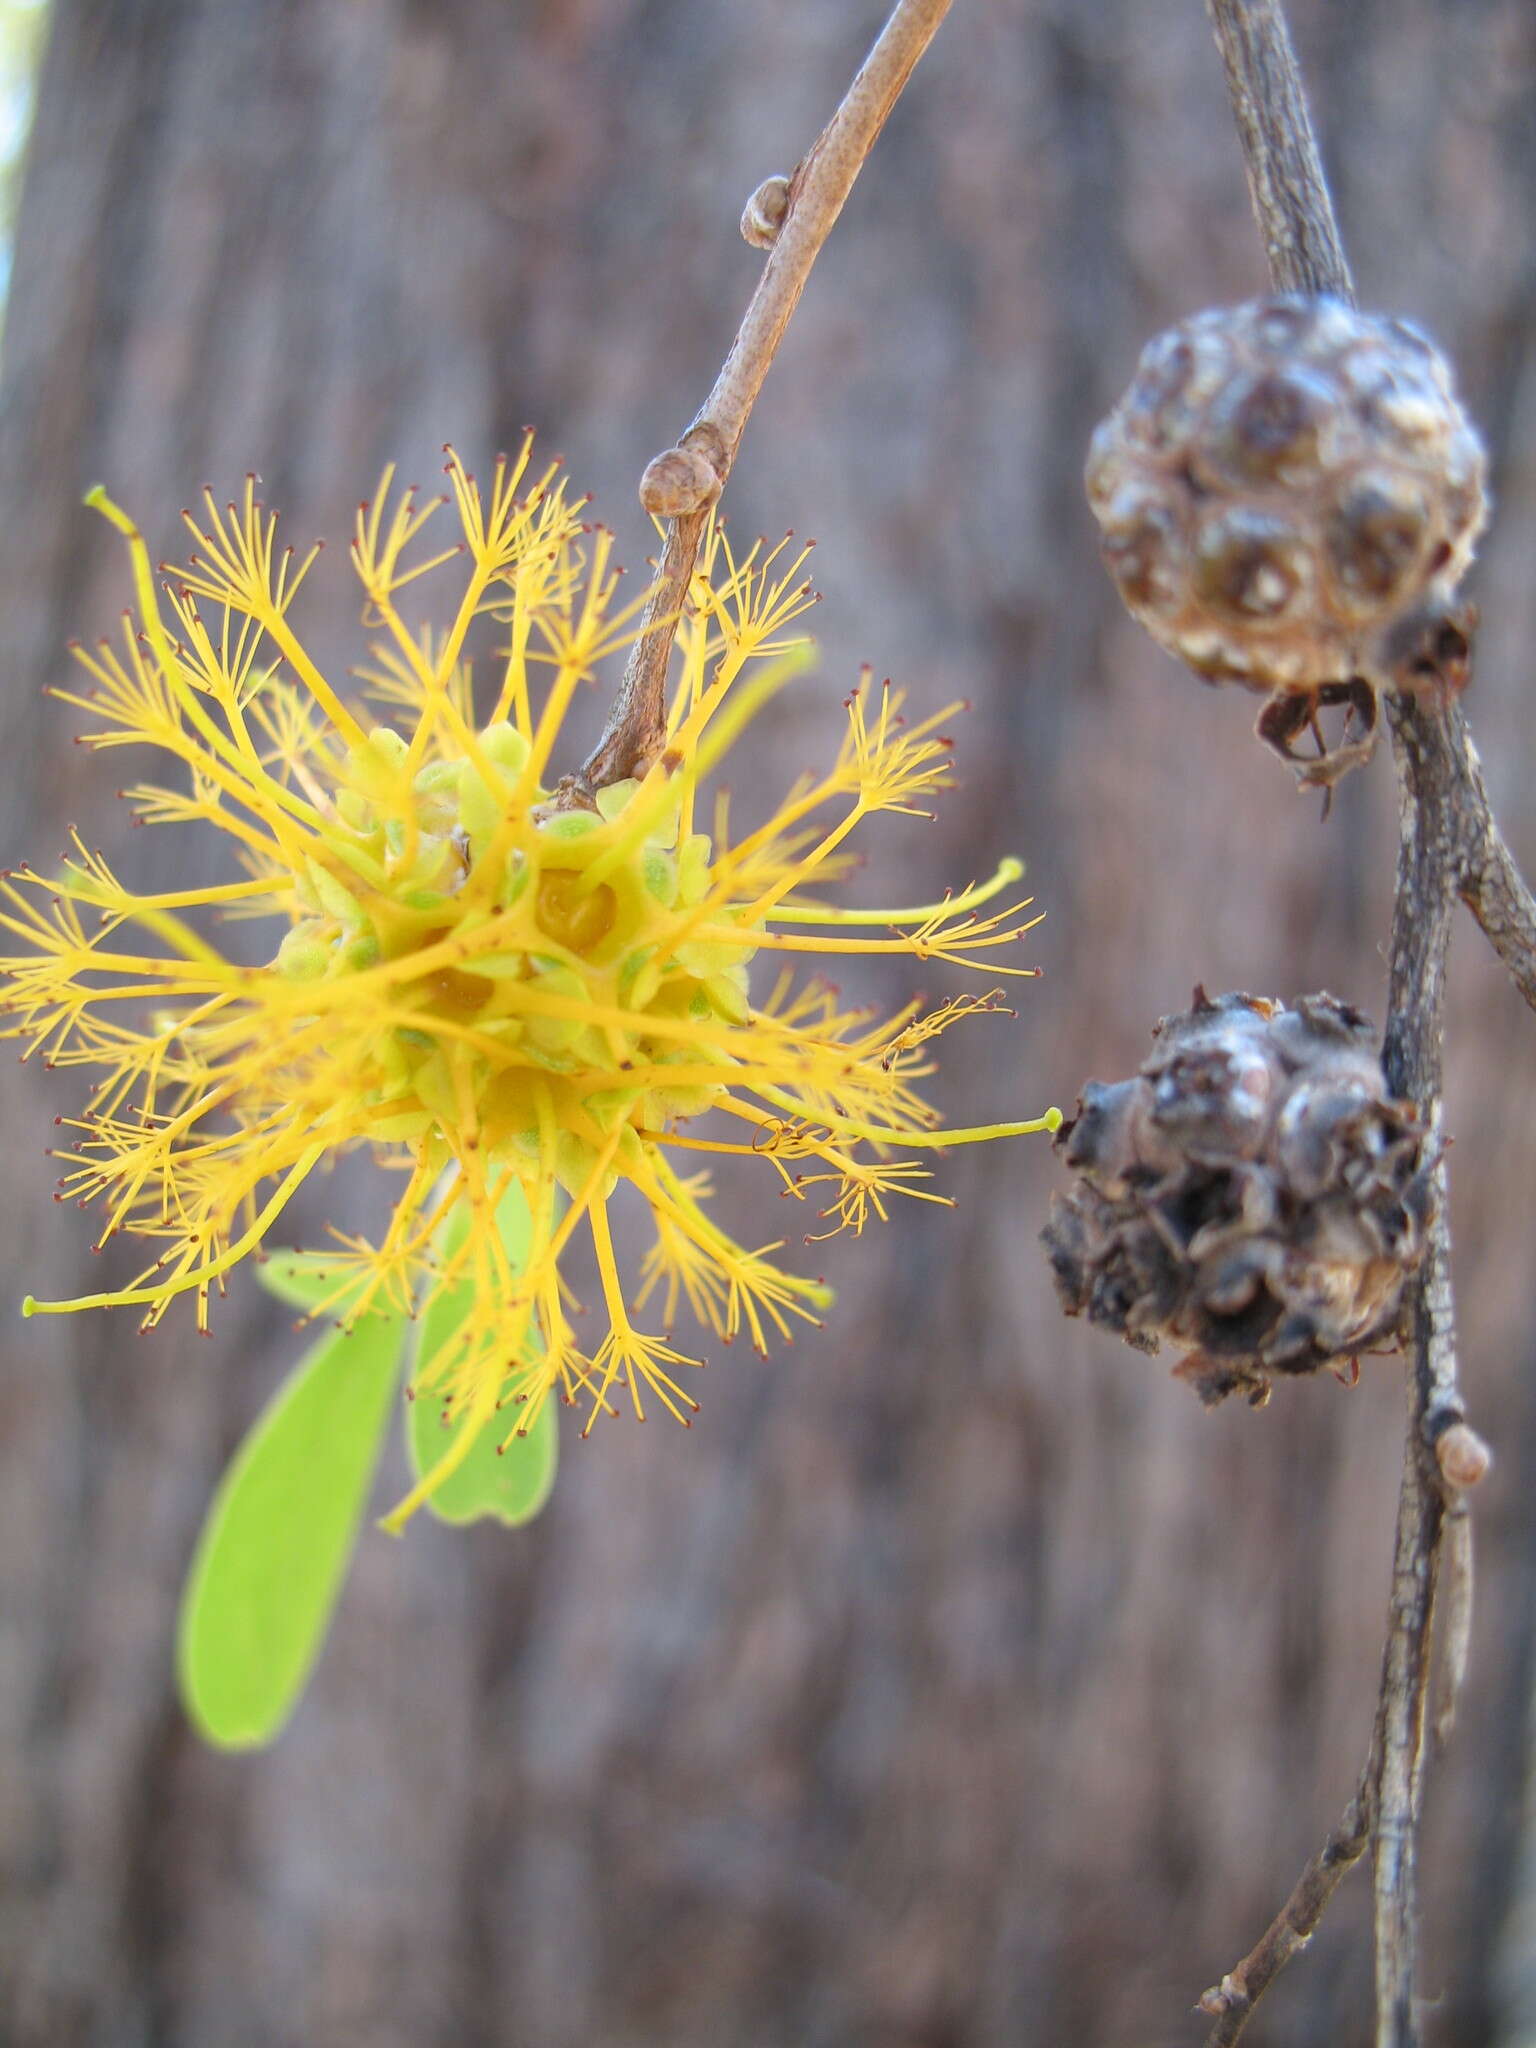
x,y
1253,1195
1282,482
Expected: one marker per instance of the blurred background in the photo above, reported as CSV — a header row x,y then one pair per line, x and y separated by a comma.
x,y
957,1682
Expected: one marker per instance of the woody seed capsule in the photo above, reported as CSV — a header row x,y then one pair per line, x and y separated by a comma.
x,y
1253,1195
1282,482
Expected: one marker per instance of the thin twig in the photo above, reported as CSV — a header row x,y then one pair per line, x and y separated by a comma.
x,y
1423,746
683,482
1232,2000
1455,1599
1493,888
1449,845
1285,173
1447,768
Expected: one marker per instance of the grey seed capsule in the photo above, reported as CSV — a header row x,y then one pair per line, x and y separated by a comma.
x,y
1281,483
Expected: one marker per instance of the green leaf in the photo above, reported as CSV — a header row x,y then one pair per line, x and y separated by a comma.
x,y
278,1537
509,1486
317,1282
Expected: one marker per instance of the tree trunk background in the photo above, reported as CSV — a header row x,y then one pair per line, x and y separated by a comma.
x,y
957,1682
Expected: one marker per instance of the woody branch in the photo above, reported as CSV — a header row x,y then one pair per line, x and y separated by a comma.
x,y
1449,845
792,218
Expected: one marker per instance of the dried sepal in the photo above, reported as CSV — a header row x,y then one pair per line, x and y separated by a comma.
x,y
1253,1195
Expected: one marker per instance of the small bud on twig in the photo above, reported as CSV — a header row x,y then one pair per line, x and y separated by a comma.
x,y
1462,1455
679,481
763,214
1220,1998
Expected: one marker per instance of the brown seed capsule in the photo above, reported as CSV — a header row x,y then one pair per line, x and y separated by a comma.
x,y
1253,1194
1281,483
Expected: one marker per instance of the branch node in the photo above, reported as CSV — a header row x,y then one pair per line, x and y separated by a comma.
x,y
765,212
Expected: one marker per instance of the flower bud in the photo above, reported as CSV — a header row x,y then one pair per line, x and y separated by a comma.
x,y
677,482
305,951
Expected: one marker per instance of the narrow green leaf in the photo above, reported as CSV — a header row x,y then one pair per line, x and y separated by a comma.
x,y
317,1282
279,1534
509,1486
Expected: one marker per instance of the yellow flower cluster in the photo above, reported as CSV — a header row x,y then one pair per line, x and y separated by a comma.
x,y
511,1000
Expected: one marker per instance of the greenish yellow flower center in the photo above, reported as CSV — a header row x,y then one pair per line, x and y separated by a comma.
x,y
560,945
